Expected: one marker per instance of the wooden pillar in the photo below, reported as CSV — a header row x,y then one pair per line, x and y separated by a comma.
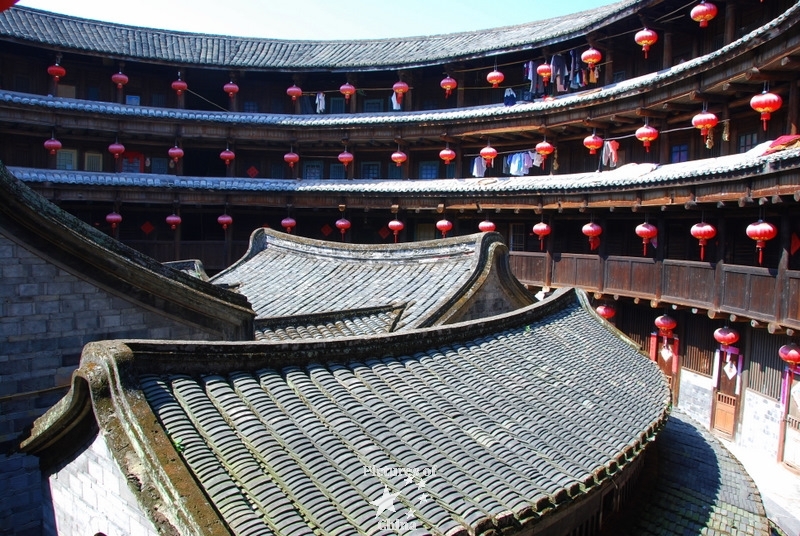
x,y
719,275
460,89
781,306
792,109
666,61
548,266
730,22
608,75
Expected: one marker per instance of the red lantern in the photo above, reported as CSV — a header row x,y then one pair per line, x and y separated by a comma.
x,y
179,86
345,158
646,135
293,91
347,89
606,311
231,89
591,57
761,231
790,353
447,154
541,230
444,226
593,231
52,145
173,220
726,336
400,88
544,148
545,71
225,221
343,225
766,103
705,121
227,156
495,78
703,232
703,12
646,38
398,157
448,84
665,325
57,72
646,232
5,4
114,218
120,79
291,158
593,143
116,149
486,226
176,153
396,226
288,223
489,153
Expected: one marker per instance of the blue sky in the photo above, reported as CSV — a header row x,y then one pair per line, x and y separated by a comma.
x,y
318,19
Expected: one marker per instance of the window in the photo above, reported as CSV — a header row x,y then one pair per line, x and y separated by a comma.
x,y
93,162
93,93
429,170
747,141
312,170
133,100
276,170
132,163
426,231
159,165
338,171
516,239
679,153
22,83
336,105
250,107
66,159
372,106
371,170
617,77
395,173
158,100
66,91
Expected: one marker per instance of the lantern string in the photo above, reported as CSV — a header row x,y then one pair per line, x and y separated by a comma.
x,y
187,90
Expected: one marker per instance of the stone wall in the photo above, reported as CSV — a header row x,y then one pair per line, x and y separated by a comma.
x,y
695,396
760,425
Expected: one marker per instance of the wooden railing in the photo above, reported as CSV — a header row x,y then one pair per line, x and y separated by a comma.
x,y
761,294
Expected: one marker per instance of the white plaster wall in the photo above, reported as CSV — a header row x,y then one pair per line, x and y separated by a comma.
x,y
91,495
695,396
761,421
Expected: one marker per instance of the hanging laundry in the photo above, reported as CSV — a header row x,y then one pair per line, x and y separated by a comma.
x,y
396,105
509,97
478,167
609,156
320,102
560,73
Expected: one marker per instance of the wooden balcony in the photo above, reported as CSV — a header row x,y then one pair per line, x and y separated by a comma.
x,y
763,295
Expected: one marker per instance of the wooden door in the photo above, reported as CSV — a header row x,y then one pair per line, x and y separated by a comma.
x,y
791,441
727,381
664,351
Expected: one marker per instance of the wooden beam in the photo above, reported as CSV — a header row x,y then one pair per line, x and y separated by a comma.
x,y
791,62
679,107
703,96
738,87
775,329
659,114
757,75
624,120
593,123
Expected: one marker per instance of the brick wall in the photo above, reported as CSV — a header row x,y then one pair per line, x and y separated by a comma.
x,y
760,424
695,396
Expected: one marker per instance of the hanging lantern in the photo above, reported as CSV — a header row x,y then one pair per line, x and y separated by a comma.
x,y
545,71
396,226
231,88
544,148
645,38
288,223
703,232
593,231
116,149
761,231
447,154
227,156
606,311
348,90
495,78
790,353
592,57
225,221
703,12
765,103
541,230
486,226
176,153
593,143
293,91
291,158
444,226
120,79
705,121
173,220
5,4
489,153
343,225
646,232
52,145
448,84
646,134
345,158
398,157
57,72
726,336
179,86
665,325
400,88
114,218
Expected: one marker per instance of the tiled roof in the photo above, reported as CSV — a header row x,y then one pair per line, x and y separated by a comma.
x,y
119,41
625,177
286,275
353,323
504,419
